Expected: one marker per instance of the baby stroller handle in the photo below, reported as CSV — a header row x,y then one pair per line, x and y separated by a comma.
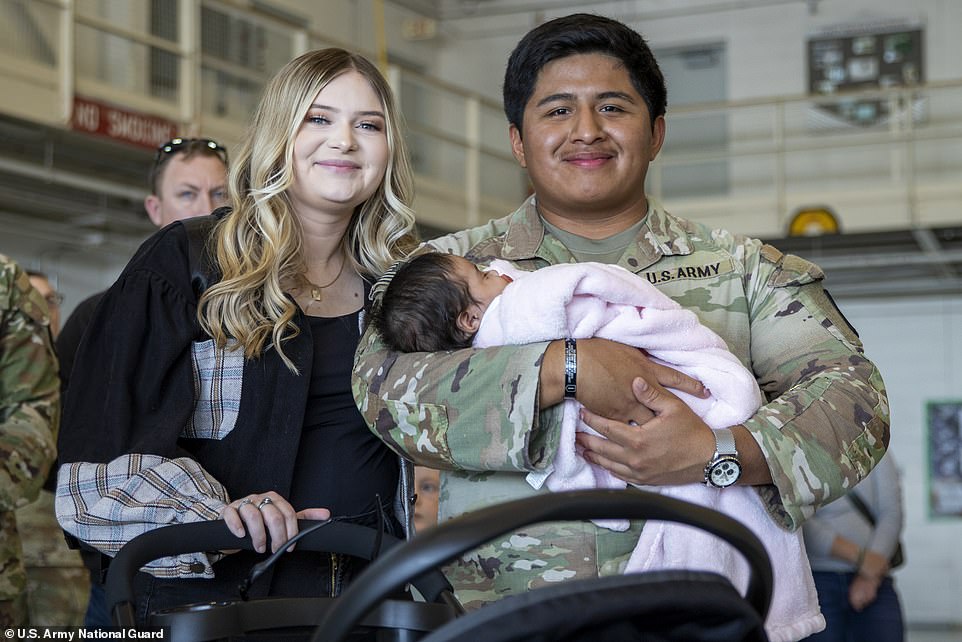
x,y
437,546
335,537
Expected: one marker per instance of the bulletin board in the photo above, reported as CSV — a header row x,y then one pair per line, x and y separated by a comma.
x,y
944,433
844,61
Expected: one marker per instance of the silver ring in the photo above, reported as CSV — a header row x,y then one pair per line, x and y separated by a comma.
x,y
632,422
245,502
264,502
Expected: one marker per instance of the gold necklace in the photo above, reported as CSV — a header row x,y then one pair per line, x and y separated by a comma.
x,y
317,293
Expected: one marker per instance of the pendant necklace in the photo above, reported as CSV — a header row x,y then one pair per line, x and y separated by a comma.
x,y
317,291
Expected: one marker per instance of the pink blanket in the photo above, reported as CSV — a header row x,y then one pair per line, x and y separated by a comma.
x,y
582,300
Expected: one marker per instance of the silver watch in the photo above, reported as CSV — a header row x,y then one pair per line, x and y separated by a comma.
x,y
723,469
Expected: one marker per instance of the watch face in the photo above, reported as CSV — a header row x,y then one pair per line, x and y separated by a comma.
x,y
724,472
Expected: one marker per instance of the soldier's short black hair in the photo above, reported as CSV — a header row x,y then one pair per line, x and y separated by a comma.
x,y
581,33
419,309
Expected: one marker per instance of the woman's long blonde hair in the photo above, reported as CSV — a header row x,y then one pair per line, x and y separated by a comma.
x,y
258,245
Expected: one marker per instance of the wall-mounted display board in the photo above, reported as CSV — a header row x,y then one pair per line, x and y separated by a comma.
x,y
846,59
944,420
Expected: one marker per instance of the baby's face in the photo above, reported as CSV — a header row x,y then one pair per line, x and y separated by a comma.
x,y
483,286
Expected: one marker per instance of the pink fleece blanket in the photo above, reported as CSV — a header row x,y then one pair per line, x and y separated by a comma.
x,y
583,300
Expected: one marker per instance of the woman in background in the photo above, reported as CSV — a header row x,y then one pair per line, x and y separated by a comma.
x,y
851,552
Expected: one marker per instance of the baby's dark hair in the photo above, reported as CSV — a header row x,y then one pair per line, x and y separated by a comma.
x,y
419,309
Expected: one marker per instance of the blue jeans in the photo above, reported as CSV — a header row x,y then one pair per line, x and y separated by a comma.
x,y
880,621
97,616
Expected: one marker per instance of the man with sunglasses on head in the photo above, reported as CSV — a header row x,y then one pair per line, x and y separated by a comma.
x,y
188,178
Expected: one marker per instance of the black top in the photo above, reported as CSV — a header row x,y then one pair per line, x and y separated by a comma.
x,y
340,464
69,338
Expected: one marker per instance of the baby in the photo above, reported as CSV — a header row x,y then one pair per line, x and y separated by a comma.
x,y
436,302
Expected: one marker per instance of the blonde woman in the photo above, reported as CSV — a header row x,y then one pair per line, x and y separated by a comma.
x,y
214,380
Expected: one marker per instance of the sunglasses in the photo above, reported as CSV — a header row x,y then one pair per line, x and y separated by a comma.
x,y
176,145
54,299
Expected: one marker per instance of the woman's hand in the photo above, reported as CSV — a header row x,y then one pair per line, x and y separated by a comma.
x,y
261,514
862,591
864,588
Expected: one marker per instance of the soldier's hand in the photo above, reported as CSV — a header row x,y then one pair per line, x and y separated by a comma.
x,y
606,370
670,448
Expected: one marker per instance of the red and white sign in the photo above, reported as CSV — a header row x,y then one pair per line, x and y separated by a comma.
x,y
128,126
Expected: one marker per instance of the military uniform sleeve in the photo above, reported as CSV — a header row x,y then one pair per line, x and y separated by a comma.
x,y
131,395
826,424
474,410
29,390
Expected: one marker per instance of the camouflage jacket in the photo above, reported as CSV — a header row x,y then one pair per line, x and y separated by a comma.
x,y
475,412
29,413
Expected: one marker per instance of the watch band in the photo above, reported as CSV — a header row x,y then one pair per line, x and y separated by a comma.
x,y
571,368
724,442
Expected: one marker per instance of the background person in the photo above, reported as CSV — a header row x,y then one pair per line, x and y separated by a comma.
x,y
320,195
41,283
57,585
585,103
29,418
188,178
427,484
850,560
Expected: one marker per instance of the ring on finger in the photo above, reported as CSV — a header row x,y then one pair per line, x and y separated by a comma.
x,y
632,422
264,502
245,502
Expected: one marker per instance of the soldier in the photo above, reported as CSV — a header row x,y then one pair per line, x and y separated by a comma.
x,y
57,584
29,418
585,102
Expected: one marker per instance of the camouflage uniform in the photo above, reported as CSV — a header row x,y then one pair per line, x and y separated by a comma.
x,y
58,583
475,412
29,416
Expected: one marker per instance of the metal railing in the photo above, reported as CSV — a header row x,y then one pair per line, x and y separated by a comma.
x,y
203,63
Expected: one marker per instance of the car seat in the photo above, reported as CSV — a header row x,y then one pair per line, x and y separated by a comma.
x,y
395,620
658,605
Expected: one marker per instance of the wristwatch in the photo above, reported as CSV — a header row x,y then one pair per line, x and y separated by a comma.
x,y
723,469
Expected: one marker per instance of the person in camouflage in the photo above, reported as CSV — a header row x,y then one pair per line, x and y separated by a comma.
x,y
585,103
57,583
29,416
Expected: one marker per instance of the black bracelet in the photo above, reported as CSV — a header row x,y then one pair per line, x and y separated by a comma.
x,y
571,368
